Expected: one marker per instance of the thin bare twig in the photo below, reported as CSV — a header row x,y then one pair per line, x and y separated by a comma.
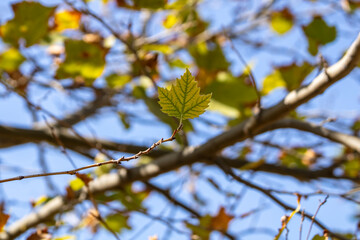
x,y
313,217
96,214
38,107
62,147
167,195
101,220
301,223
251,75
73,142
124,40
114,161
226,169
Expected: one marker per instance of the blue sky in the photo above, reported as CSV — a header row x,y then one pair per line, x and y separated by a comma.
x,y
338,101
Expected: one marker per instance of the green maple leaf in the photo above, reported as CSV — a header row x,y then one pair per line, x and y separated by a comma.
x,y
183,100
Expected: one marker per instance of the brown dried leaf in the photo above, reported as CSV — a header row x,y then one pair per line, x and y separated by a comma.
x,y
70,194
221,221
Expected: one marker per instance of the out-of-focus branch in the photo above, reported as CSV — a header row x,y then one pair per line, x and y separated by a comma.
x,y
190,155
166,193
113,181
101,99
115,162
295,98
313,218
173,200
350,141
229,171
22,136
11,136
300,174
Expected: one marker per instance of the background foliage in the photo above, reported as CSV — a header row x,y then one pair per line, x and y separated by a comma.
x,y
79,86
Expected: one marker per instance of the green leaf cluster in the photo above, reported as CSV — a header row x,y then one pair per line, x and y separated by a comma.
x,y
202,52
231,90
318,33
140,4
29,23
84,61
117,222
288,76
117,81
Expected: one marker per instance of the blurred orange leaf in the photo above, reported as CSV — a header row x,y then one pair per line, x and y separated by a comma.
x,y
67,20
221,221
3,219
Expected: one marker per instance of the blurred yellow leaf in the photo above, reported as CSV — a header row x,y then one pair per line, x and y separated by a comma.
x,y
281,21
170,21
223,109
272,81
40,200
76,184
209,56
162,48
289,76
67,237
67,20
11,59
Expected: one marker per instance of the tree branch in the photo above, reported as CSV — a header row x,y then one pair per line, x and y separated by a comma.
x,y
10,136
113,161
228,170
294,99
102,98
190,155
169,197
350,141
300,174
